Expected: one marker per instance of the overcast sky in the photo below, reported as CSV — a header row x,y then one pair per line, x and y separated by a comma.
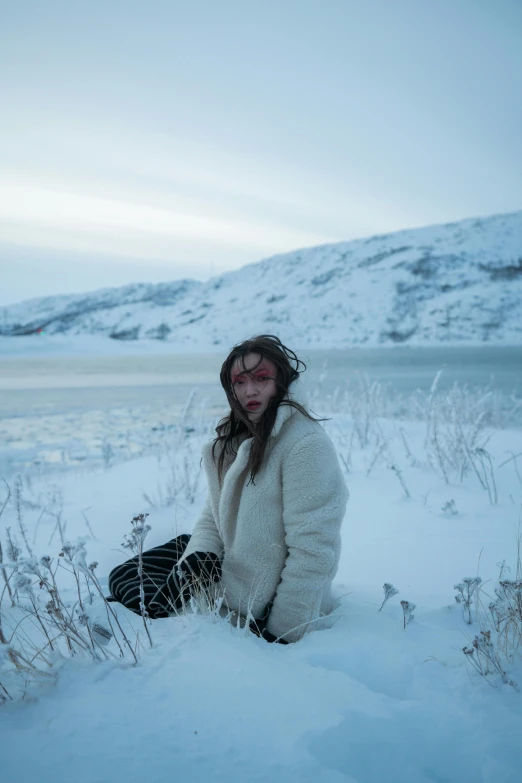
x,y
165,139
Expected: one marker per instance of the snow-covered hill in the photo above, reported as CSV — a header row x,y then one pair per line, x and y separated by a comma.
x,y
460,282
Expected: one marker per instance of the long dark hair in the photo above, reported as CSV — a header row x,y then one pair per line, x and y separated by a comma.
x,y
231,427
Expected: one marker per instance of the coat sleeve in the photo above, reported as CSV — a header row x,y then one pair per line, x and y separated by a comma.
x,y
205,536
314,503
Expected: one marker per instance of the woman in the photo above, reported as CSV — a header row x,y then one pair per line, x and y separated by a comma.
x,y
270,528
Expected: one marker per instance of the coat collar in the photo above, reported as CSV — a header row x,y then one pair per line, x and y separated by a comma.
x,y
240,463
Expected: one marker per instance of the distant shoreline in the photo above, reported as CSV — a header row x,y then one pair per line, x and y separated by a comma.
x,y
89,346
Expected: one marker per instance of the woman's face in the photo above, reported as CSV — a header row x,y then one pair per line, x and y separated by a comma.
x,y
254,390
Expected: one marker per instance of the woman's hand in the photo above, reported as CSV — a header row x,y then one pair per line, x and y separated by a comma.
x,y
169,598
199,569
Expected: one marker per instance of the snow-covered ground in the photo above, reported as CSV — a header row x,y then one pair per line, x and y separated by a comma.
x,y
363,699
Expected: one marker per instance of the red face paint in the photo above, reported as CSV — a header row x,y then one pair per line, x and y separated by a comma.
x,y
260,372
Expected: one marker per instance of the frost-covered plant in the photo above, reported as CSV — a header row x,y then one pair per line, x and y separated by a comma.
x,y
488,474
178,458
450,507
456,439
368,399
380,450
506,613
389,592
414,462
136,538
500,640
465,591
107,453
45,625
134,541
513,458
54,508
344,448
407,611
366,403
168,489
191,471
14,552
398,472
2,567
484,657
18,499
207,600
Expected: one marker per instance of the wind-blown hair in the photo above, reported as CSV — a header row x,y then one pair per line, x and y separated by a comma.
x,y
237,423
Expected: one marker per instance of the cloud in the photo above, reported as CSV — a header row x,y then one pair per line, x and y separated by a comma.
x,y
39,216
244,186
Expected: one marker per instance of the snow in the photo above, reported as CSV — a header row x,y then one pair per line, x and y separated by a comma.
x,y
208,705
362,699
103,429
455,284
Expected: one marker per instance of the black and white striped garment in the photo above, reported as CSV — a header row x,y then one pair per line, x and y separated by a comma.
x,y
163,592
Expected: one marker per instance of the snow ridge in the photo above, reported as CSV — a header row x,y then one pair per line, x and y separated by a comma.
x,y
454,283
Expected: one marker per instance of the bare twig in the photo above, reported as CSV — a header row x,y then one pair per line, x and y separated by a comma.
x,y
4,572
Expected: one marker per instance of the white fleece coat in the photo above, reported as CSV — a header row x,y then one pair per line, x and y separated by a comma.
x,y
278,539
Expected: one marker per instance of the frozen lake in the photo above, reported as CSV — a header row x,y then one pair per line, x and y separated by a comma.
x,y
32,386
58,411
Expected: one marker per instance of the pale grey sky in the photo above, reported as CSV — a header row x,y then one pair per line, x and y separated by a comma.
x,y
165,139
